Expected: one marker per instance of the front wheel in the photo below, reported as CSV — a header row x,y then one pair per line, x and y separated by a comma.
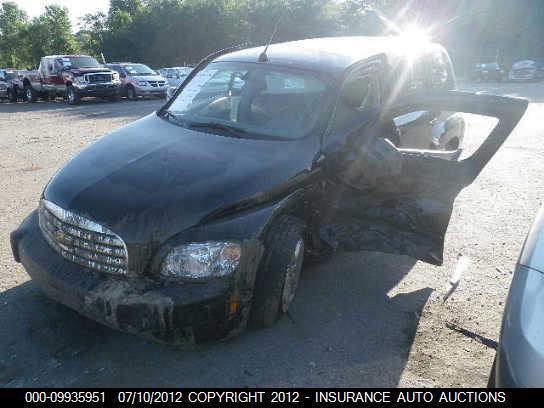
x,y
73,96
278,276
131,93
30,94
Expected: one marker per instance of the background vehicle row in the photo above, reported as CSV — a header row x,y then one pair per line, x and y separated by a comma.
x,y
73,77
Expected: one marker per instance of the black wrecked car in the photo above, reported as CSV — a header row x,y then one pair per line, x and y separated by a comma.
x,y
194,221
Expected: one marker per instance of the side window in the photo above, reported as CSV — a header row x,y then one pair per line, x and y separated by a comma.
x,y
50,66
431,72
360,92
43,66
57,66
426,129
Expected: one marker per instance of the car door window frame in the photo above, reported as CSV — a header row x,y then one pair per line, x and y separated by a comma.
x,y
372,67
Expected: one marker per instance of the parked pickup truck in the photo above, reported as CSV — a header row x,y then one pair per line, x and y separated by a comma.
x,y
72,77
11,85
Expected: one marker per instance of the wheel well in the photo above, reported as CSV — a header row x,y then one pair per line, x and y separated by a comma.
x,y
26,82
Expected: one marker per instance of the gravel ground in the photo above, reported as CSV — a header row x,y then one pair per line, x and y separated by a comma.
x,y
360,319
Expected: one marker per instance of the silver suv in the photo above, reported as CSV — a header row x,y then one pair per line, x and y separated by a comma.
x,y
139,80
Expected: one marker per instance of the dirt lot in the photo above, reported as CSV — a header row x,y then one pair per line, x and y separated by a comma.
x,y
365,319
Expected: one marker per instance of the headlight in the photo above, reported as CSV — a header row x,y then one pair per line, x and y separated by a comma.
x,y
202,260
142,83
80,79
115,76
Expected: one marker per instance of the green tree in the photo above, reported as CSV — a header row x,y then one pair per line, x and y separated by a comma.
x,y
91,36
13,22
49,34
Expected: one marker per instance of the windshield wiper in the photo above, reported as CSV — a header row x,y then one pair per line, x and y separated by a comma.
x,y
231,130
173,118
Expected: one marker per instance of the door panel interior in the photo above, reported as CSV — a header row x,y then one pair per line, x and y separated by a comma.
x,y
393,200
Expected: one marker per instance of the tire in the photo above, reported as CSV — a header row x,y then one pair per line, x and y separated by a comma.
x,y
30,94
279,273
131,93
72,96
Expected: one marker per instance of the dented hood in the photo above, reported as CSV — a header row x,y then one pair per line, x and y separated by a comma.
x,y
152,179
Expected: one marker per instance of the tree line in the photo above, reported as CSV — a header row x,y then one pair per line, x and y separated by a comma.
x,y
172,32
179,32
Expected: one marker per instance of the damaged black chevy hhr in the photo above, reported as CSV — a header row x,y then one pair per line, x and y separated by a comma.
x,y
194,221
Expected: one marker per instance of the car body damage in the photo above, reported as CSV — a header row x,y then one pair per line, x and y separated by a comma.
x,y
400,201
211,204
179,313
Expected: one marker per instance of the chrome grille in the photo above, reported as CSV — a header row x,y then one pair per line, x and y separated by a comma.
x,y
156,83
98,78
81,240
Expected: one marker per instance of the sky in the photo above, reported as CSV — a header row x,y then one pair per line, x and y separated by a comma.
x,y
77,8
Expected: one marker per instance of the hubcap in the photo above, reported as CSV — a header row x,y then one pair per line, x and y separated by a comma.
x,y
71,95
292,275
28,94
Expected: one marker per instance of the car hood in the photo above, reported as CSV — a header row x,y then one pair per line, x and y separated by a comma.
x,y
151,179
148,78
524,64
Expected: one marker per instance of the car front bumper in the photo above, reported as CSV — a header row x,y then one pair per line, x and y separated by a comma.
x,y
513,76
99,89
150,91
182,314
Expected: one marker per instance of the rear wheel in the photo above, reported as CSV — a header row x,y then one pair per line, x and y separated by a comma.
x,y
278,276
131,93
30,94
73,96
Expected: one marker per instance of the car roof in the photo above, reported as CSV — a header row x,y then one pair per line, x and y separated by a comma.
x,y
125,63
331,54
67,56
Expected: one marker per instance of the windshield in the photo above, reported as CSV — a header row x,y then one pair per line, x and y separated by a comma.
x,y
138,70
80,62
11,75
258,99
183,71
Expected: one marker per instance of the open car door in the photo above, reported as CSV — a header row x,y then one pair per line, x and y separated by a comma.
x,y
388,199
